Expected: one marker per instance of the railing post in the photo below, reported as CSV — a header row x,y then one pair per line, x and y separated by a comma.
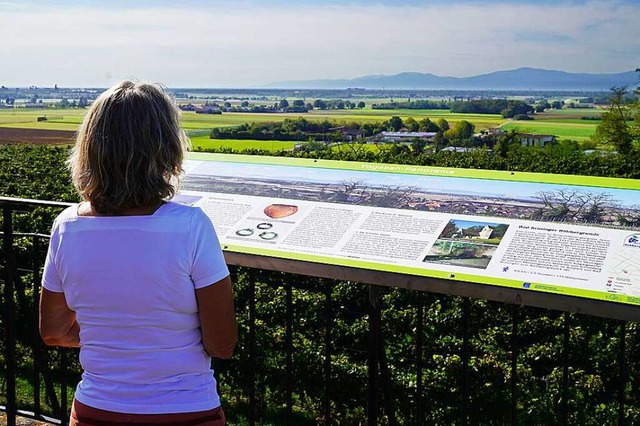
x,y
9,312
419,331
328,322
289,354
465,360
372,385
565,371
36,340
623,372
64,366
514,365
252,353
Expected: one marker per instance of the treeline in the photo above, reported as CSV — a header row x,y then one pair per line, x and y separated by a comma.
x,y
507,108
336,104
290,129
301,129
418,104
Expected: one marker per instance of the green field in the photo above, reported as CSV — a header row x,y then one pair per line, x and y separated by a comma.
x,y
565,124
571,131
204,142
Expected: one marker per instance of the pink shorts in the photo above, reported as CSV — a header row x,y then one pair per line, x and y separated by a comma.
x,y
83,415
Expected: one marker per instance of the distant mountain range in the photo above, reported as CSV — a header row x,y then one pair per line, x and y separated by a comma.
x,y
519,79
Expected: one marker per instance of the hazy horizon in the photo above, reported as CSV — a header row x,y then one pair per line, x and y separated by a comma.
x,y
248,44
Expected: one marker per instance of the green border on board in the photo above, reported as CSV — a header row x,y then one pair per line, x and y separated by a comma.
x,y
513,176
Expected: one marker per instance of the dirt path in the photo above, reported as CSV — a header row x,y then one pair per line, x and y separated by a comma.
x,y
36,136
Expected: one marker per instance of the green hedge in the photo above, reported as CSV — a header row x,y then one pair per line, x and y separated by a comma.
x,y
39,172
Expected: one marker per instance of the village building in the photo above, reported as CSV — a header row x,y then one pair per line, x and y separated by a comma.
x,y
459,149
525,139
403,137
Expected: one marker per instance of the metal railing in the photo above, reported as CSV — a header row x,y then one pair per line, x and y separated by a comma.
x,y
50,373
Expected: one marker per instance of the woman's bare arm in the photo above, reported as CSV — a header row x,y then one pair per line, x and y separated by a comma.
x,y
217,318
58,326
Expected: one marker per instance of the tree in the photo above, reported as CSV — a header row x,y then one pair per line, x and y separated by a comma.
x,y
461,130
395,123
361,105
439,140
507,143
517,107
556,104
614,126
426,125
411,124
320,104
442,124
244,104
298,103
283,104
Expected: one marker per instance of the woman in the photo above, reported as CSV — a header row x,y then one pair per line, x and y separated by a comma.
x,y
137,282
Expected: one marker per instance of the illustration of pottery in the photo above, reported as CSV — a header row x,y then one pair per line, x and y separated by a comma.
x,y
278,211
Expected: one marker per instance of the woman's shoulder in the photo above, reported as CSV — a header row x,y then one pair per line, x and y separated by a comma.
x,y
173,209
67,214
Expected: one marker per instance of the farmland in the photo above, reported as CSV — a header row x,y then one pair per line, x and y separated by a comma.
x,y
565,123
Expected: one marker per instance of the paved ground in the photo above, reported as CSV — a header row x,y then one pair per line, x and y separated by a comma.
x,y
21,421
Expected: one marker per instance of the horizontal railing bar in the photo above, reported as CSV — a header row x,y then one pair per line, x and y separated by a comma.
x,y
30,203
28,234
32,415
558,302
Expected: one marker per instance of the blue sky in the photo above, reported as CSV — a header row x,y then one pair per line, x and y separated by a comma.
x,y
249,43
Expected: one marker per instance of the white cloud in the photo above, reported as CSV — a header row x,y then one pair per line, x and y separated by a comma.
x,y
250,45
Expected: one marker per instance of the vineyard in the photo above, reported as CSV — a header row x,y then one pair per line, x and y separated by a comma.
x,y
471,349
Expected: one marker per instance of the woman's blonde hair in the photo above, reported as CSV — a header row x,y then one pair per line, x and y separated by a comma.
x,y
129,149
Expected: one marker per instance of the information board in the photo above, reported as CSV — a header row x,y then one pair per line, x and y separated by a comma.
x,y
569,235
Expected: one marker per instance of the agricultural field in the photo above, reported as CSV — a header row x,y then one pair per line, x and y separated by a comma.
x,y
204,142
565,124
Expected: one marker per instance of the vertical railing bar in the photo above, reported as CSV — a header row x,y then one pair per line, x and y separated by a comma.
x,y
64,366
565,370
623,372
419,343
372,384
252,353
289,354
9,319
328,321
385,374
36,341
514,364
465,359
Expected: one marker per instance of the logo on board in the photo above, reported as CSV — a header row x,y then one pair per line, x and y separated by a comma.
x,y
632,240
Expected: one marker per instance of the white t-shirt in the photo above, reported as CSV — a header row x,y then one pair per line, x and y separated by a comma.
x,y
131,281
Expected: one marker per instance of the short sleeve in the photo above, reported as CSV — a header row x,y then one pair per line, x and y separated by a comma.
x,y
51,276
208,264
